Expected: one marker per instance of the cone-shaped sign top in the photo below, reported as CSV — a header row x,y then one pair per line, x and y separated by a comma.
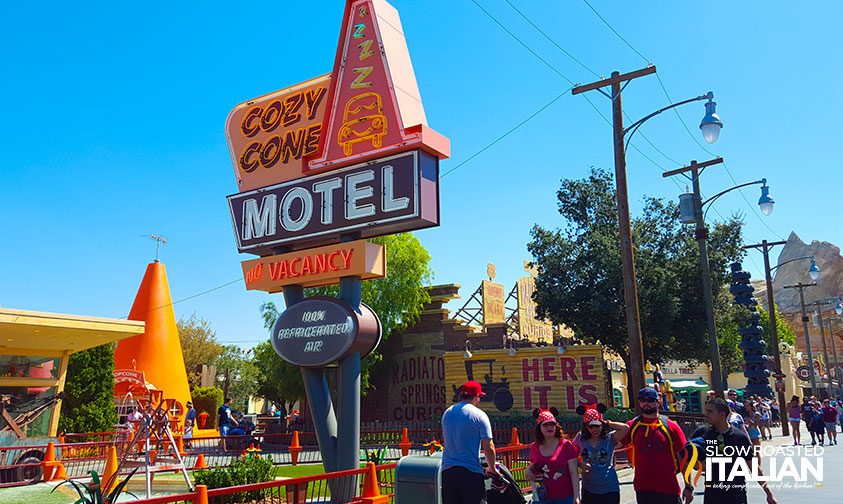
x,y
374,105
157,352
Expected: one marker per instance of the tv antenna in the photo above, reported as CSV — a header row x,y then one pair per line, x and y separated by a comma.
x,y
159,240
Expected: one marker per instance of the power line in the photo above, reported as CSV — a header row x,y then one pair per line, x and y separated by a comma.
x,y
218,287
580,63
515,37
511,130
684,124
646,60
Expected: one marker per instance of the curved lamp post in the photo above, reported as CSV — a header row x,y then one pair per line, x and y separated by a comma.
x,y
691,211
710,127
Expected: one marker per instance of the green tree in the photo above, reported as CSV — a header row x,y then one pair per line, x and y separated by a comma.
x,y
580,283
88,405
198,346
237,373
278,381
397,299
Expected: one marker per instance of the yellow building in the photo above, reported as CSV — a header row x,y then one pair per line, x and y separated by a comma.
x,y
34,351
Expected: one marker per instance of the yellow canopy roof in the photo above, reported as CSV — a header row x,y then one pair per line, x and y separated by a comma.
x,y
24,332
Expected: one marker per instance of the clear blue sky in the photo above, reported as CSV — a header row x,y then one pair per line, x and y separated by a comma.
x,y
114,118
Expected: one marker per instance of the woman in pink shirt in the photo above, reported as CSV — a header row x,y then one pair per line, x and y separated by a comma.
x,y
553,462
794,419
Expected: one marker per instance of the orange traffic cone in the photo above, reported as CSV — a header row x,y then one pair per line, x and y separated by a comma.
x,y
180,446
110,472
514,437
295,448
405,442
371,492
200,462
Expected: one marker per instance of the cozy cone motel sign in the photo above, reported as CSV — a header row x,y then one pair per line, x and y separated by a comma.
x,y
347,154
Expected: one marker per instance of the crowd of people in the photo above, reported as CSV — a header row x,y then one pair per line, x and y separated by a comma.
x,y
581,470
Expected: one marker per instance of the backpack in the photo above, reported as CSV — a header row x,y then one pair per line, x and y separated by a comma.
x,y
661,425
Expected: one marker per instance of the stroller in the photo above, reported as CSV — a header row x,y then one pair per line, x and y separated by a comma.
x,y
504,490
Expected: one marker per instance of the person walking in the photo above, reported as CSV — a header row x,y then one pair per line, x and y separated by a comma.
x,y
829,414
189,422
712,441
752,421
656,442
553,462
596,443
465,430
225,421
816,426
793,416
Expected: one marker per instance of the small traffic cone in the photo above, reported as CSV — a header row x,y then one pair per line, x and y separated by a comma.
x,y
405,443
513,441
153,455
110,472
200,462
371,492
52,469
295,448
180,446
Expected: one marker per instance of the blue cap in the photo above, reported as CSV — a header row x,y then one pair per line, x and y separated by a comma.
x,y
648,393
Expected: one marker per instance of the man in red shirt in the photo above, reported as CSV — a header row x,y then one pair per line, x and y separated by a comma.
x,y
656,441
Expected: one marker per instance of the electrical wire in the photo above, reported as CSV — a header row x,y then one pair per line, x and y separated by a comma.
x,y
510,131
525,46
615,32
574,58
684,124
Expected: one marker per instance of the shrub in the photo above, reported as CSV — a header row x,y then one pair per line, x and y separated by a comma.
x,y
88,404
207,399
251,468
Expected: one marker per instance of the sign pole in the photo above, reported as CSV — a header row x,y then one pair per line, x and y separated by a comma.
x,y
348,384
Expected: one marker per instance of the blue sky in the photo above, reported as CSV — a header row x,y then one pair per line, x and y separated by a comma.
x,y
114,119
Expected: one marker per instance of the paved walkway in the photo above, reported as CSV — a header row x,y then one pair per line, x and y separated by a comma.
x,y
829,490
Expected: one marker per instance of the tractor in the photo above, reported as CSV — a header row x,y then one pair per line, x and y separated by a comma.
x,y
497,392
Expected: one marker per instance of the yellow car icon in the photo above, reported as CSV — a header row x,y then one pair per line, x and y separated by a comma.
x,y
363,120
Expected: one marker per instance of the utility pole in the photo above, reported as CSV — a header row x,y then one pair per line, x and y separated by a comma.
x,y
701,235
801,287
826,362
633,317
834,352
825,350
765,246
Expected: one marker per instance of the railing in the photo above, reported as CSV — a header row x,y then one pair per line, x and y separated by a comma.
x,y
344,486
21,464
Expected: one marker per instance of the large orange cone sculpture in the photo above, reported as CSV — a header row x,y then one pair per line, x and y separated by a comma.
x,y
156,352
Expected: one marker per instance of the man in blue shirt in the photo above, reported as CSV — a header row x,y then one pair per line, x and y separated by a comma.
x,y
465,429
225,418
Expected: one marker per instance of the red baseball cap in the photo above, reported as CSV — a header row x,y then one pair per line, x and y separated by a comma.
x,y
472,388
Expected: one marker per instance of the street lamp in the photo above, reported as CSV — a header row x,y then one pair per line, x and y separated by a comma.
x,y
694,213
711,123
710,128
765,201
765,247
814,271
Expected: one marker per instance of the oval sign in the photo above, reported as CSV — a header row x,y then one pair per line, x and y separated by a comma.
x,y
803,373
320,330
